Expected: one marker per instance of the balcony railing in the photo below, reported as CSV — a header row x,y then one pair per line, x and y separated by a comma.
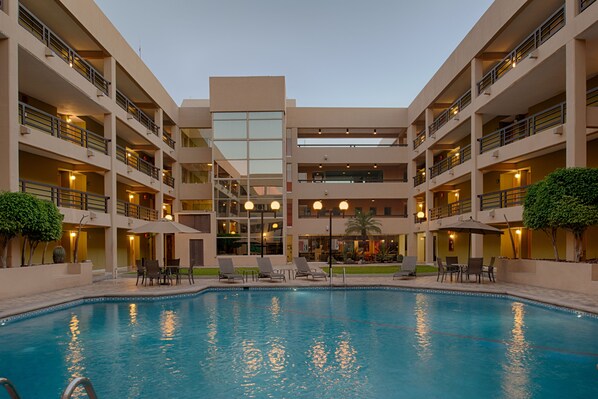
x,y
126,104
419,178
48,123
464,154
28,21
503,199
583,4
350,179
314,215
419,139
64,197
552,25
135,211
592,97
352,145
417,220
168,180
168,140
553,116
132,160
452,209
449,113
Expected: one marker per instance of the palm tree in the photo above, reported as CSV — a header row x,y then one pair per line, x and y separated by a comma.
x,y
363,224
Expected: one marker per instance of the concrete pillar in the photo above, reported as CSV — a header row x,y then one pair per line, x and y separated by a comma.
x,y
110,236
476,75
159,200
477,182
429,204
411,203
176,172
571,11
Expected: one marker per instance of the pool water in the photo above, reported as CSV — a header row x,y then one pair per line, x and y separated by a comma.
x,y
378,343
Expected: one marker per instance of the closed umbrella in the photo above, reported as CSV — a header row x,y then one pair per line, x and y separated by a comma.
x,y
472,226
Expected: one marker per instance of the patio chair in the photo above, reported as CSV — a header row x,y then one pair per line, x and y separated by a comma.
x,y
452,265
266,271
227,270
172,268
152,271
407,267
489,270
187,271
140,271
303,269
474,266
443,270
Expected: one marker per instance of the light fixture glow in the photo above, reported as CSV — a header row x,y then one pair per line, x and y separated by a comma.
x,y
248,205
344,205
347,131
164,206
73,234
375,166
68,118
517,175
275,205
452,235
518,232
319,131
420,215
131,238
274,225
168,217
348,166
375,132
131,196
73,177
317,205
320,166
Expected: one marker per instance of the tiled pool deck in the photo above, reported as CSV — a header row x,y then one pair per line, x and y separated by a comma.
x,y
125,286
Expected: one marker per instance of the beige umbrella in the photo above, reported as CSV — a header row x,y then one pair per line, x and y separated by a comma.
x,y
163,226
472,226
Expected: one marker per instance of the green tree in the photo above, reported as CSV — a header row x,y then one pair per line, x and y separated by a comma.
x,y
363,224
49,230
17,214
536,213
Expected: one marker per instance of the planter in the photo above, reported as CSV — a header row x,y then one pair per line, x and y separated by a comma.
x,y
567,276
26,281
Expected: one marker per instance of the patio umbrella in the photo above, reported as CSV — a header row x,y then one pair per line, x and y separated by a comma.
x,y
163,226
472,226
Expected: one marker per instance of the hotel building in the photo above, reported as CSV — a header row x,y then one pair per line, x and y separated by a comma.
x,y
84,123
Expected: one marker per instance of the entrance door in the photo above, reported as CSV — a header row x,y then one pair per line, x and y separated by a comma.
x,y
196,252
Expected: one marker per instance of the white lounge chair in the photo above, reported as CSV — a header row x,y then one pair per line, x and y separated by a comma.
x,y
303,269
407,267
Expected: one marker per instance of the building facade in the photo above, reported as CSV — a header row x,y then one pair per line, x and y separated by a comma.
x,y
85,124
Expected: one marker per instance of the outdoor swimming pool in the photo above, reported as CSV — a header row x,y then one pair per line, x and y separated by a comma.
x,y
311,343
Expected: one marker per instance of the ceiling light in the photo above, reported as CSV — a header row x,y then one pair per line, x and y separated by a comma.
x,y
375,166
348,166
320,166
375,132
347,131
319,131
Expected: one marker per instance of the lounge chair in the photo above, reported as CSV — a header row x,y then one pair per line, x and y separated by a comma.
x,y
407,267
474,266
266,271
489,270
443,270
227,270
303,269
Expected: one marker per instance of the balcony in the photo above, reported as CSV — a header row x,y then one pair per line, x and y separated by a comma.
x,y
552,25
64,197
126,104
459,157
135,211
503,199
56,127
419,178
583,4
452,209
168,140
449,113
592,97
28,21
131,159
419,139
168,180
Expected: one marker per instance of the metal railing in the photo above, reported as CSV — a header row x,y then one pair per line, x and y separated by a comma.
x,y
552,25
449,113
464,154
314,215
419,139
592,97
419,178
452,209
48,123
136,211
543,120
503,198
352,145
131,159
583,4
417,220
5,382
354,179
168,180
28,21
133,110
168,140
76,383
65,197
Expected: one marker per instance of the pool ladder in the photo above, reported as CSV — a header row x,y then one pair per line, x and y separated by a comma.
x,y
67,394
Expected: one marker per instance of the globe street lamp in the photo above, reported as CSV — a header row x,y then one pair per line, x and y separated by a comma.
x,y
274,206
343,206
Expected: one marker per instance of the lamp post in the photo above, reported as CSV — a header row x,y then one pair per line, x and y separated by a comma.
x,y
274,206
343,206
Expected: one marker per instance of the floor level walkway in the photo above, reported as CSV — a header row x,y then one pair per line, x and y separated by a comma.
x,y
125,286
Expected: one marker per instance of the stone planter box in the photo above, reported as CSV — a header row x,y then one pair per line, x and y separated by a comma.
x,y
567,276
31,280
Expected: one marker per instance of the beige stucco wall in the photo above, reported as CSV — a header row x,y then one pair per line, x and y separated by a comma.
x,y
250,93
308,117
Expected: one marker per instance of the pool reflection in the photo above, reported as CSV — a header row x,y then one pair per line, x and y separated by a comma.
x,y
516,382
74,356
422,327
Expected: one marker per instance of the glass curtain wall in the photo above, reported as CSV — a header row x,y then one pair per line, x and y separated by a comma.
x,y
248,166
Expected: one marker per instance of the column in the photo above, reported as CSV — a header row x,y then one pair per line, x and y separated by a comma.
x,y
159,200
411,203
176,171
477,73
477,182
571,11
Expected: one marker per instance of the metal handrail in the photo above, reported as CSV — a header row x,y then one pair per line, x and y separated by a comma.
x,y
583,4
451,209
358,179
519,130
28,21
65,197
76,383
592,97
61,129
552,25
168,180
133,160
133,110
449,113
419,178
168,139
347,215
353,145
503,198
5,382
464,154
136,211
419,139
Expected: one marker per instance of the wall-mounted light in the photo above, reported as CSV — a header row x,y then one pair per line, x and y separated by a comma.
x,y
168,217
517,175
348,166
131,238
347,131
275,225
319,131
68,119
73,177
518,232
320,166
131,196
375,166
164,206
73,234
375,132
452,236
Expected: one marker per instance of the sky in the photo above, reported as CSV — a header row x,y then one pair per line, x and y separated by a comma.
x,y
333,53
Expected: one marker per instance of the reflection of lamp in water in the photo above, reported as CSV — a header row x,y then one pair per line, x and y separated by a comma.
x,y
249,207
343,206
